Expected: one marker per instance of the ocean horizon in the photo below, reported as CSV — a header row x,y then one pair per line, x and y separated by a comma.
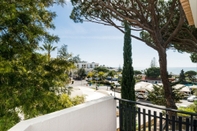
x,y
173,70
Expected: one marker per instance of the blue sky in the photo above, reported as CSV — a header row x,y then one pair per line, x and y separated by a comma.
x,y
104,44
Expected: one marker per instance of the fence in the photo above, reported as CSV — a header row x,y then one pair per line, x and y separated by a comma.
x,y
136,116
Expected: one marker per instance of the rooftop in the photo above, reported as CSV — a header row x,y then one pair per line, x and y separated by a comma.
x,y
189,7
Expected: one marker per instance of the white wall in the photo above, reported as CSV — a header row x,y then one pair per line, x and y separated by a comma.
x,y
97,115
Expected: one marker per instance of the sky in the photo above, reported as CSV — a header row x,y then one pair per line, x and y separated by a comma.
x,y
104,45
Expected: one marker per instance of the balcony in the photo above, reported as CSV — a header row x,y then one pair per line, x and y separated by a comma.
x,y
108,114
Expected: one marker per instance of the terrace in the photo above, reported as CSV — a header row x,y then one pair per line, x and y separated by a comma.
x,y
106,114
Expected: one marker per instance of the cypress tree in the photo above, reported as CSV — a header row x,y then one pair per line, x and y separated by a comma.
x,y
128,81
127,84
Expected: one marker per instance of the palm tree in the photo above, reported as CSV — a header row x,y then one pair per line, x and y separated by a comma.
x,y
101,75
49,48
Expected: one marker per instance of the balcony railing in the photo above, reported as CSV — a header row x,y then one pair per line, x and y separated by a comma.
x,y
136,116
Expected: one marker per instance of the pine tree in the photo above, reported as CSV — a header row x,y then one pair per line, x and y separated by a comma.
x,y
153,62
128,81
182,77
160,31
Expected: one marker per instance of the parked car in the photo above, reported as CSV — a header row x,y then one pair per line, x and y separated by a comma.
x,y
96,78
141,95
192,98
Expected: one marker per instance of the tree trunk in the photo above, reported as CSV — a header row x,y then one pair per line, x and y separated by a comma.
x,y
164,76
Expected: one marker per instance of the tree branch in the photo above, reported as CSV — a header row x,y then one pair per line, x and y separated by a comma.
x,y
178,27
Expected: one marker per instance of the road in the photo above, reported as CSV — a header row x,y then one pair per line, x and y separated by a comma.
x,y
81,88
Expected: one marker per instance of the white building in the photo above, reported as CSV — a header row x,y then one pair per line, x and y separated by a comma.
x,y
86,65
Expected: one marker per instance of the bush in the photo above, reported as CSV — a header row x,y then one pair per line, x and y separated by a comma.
x,y
191,108
65,101
78,100
9,120
187,109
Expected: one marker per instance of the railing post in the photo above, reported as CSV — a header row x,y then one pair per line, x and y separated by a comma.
x,y
120,115
191,123
160,121
167,122
187,124
139,119
144,119
149,120
180,123
195,125
155,120
173,123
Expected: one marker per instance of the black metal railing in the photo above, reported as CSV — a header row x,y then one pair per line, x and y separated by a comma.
x,y
138,116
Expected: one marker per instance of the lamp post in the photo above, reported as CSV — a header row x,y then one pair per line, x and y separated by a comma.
x,y
114,92
96,84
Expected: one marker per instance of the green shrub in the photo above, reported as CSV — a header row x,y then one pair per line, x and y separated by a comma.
x,y
9,120
78,100
65,101
186,109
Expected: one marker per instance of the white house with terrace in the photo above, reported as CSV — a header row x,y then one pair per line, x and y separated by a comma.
x,y
85,65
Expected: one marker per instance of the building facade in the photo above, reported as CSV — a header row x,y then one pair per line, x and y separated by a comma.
x,y
87,65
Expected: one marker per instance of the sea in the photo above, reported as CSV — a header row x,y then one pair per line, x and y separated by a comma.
x,y
172,70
